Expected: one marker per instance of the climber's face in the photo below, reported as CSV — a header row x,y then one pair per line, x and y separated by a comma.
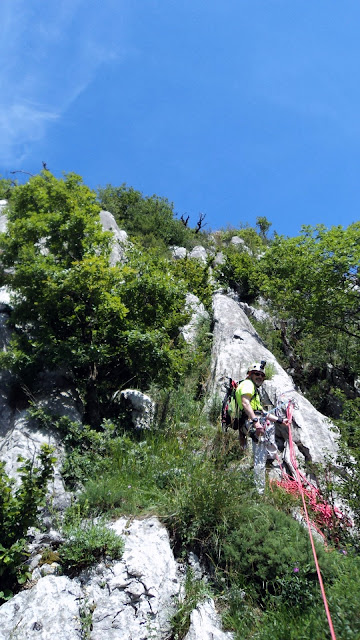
x,y
257,377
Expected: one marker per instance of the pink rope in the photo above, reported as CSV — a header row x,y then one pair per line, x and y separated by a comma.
x,y
289,413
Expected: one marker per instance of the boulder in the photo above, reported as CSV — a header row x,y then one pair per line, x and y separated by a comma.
x,y
141,406
237,241
120,239
177,253
199,253
219,259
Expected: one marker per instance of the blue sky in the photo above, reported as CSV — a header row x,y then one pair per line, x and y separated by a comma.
x,y
233,108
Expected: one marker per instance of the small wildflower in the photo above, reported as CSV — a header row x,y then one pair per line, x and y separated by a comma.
x,y
129,486
296,569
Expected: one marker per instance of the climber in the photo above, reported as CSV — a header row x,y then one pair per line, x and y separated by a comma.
x,y
257,421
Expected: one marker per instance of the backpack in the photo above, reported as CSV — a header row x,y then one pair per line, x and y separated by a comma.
x,y
231,414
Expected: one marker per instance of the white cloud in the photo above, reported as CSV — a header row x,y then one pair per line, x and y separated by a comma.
x,y
52,52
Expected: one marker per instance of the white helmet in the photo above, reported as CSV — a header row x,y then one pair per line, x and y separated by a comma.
x,y
257,367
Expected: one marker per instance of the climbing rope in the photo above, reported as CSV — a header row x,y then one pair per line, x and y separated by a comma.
x,y
289,414
326,517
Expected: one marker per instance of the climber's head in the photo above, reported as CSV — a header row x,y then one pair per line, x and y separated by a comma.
x,y
256,372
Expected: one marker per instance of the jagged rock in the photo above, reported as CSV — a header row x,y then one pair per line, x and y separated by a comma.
x,y
131,598
142,407
198,312
178,253
134,597
205,624
236,345
50,609
259,314
120,240
199,253
236,241
5,306
20,435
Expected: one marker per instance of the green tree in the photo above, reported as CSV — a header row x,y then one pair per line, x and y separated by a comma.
x,y
103,325
264,225
6,187
312,283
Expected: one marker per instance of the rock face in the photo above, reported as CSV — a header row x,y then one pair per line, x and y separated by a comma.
x,y
204,624
120,239
198,312
236,345
19,433
131,598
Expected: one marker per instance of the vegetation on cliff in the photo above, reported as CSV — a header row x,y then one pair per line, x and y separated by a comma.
x,y
107,327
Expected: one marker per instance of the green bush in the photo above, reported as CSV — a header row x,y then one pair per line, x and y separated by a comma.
x,y
239,272
87,543
19,511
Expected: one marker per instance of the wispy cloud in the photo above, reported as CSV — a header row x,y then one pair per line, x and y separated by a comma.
x,y
51,53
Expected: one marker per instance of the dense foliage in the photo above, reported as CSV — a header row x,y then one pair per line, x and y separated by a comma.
x,y
102,325
312,284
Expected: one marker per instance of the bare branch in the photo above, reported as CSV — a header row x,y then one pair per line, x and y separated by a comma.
x,y
199,224
26,172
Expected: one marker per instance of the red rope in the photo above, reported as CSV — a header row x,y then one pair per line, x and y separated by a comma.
x,y
289,413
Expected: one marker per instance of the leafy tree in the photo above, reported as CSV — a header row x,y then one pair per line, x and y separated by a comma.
x,y
103,325
6,187
312,283
264,225
197,278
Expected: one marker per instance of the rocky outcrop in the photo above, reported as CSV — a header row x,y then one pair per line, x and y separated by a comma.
x,y
198,313
204,624
120,238
134,597
236,345
199,253
178,253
